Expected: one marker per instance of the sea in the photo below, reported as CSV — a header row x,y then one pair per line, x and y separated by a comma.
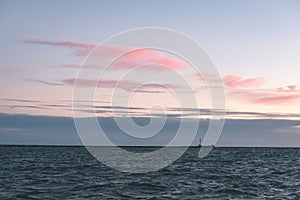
x,y
47,172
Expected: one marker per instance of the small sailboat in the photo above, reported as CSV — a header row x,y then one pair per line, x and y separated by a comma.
x,y
200,143
204,149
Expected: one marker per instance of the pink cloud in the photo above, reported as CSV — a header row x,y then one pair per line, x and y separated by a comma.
x,y
292,87
81,48
104,51
172,63
198,75
270,97
278,99
143,53
66,43
44,82
289,88
155,88
232,81
156,59
150,91
132,59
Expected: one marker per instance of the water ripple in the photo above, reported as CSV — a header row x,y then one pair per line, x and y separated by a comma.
x,y
227,173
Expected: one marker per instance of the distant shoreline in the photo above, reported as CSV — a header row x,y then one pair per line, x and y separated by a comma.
x,y
41,145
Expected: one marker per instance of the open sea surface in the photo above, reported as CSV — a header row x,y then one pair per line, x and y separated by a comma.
x,y
28,172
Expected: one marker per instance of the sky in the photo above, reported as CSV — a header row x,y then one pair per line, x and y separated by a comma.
x,y
254,45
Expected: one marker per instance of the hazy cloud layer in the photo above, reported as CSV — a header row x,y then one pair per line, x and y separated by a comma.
x,y
25,129
104,107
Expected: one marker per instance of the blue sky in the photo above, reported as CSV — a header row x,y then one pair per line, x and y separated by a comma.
x,y
255,46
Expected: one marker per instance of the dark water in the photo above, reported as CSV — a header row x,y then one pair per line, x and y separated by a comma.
x,y
227,173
